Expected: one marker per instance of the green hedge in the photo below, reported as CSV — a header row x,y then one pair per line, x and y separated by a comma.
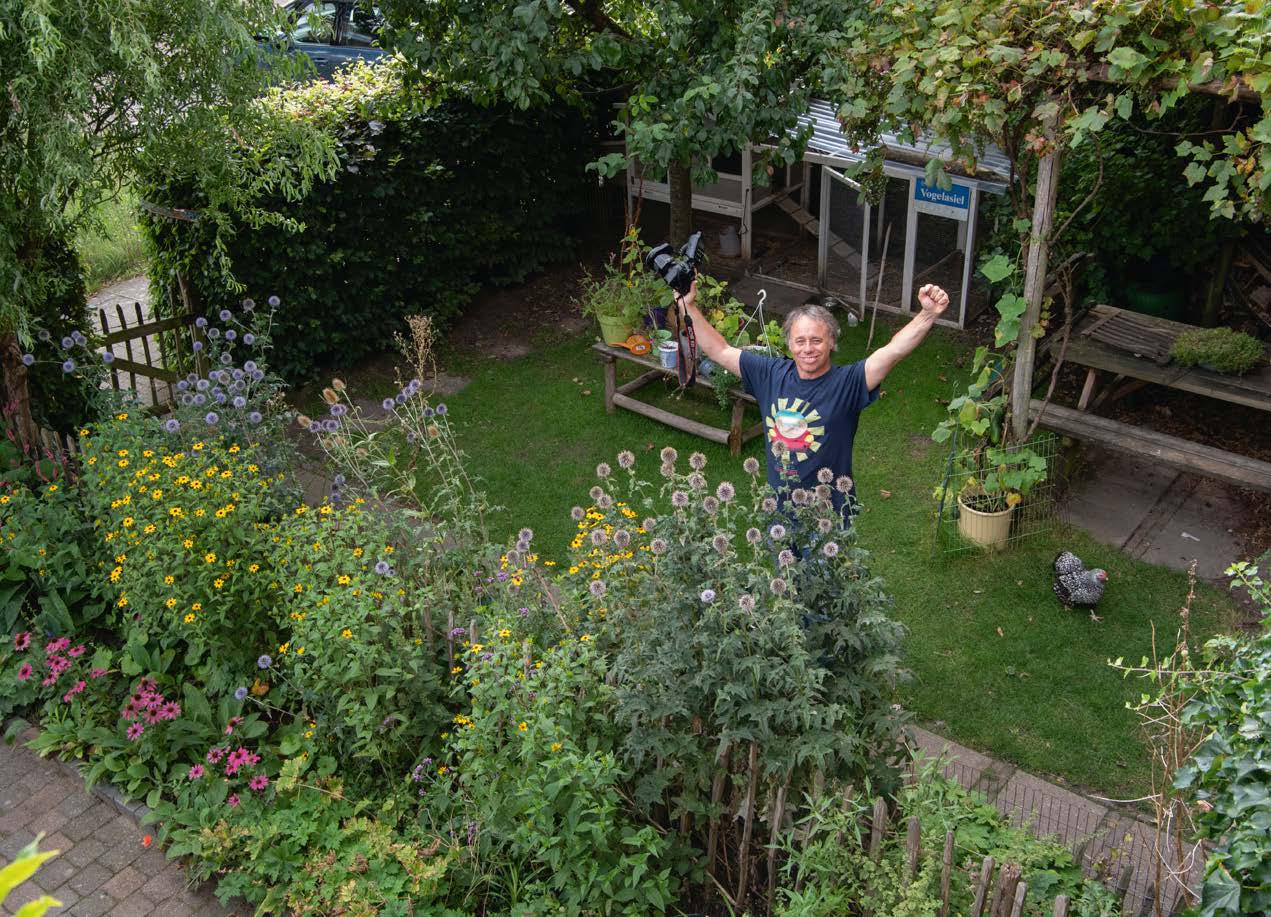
x,y
433,200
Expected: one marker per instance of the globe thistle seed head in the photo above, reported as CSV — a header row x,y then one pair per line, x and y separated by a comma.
x,y
622,538
769,504
599,538
720,542
785,558
777,586
753,535
668,456
750,466
707,596
798,496
679,499
746,603
830,549
605,502
626,460
526,534
823,491
824,525
596,492
725,492
777,532
696,481
843,484
667,470
578,514
603,470
597,588
824,475
710,505
697,461
648,524
658,546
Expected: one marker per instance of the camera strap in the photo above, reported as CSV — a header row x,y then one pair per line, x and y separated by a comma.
x,y
686,364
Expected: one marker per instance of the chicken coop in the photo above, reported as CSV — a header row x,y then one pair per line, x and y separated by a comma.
x,y
810,229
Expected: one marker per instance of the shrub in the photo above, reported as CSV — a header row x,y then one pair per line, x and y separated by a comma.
x,y
1222,349
435,198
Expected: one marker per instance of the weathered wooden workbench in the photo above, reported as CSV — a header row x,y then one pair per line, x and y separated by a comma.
x,y
620,396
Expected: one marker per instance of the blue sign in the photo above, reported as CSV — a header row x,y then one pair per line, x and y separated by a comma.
x,y
953,204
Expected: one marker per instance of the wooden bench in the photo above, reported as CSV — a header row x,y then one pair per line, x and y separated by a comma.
x,y
619,396
1167,450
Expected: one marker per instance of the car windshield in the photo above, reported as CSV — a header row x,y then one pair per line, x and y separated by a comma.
x,y
363,26
315,22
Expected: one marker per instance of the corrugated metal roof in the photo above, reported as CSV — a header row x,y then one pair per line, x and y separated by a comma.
x,y
828,140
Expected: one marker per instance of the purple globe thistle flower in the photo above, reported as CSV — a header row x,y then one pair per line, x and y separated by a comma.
x,y
231,334
68,342
457,632
44,335
400,398
211,417
108,357
199,398
626,460
668,455
200,322
679,499
603,470
622,538
258,375
605,502
202,385
226,359
697,461
429,412
785,558
382,568
388,404
777,532
710,505
441,410
28,359
172,425
777,586
843,484
331,425
578,514
824,475
226,315
240,402
187,399
274,302
649,524
79,338
214,333
249,304
769,504
824,525
240,693
746,603
183,385
830,549
597,588
250,365
707,596
221,397
415,384
249,339
720,542
599,538
725,491
658,546
667,470
255,417
339,480
198,345
750,466
68,366
753,535
264,662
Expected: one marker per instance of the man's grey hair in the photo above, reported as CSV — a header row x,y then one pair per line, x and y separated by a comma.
x,y
817,313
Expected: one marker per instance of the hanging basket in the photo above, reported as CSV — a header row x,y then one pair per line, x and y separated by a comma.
x,y
988,530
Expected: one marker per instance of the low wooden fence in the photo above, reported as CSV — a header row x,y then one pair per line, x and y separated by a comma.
x,y
141,367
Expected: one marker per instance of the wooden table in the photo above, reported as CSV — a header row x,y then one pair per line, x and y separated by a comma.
x,y
1135,347
619,396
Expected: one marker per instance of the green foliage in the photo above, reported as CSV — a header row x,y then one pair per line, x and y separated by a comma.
x,y
431,200
27,863
1231,707
626,290
110,246
1221,349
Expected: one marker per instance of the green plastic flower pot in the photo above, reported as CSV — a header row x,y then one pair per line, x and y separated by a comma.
x,y
613,329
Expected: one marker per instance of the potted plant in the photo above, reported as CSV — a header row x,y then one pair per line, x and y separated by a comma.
x,y
1219,350
624,294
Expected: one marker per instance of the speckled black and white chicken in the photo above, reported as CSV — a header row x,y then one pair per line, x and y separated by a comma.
x,y
1075,585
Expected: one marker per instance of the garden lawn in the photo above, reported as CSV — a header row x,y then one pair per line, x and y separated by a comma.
x,y
997,664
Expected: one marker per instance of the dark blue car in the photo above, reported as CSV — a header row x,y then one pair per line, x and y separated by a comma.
x,y
333,33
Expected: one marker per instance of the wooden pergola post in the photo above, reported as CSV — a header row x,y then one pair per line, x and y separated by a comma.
x,y
1035,275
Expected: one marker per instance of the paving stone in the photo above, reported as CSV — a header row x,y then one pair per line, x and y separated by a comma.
x,y
121,850
67,895
124,883
59,842
23,894
167,884
134,906
13,842
151,862
90,878
56,872
86,851
50,822
89,821
48,797
36,780
94,905
75,805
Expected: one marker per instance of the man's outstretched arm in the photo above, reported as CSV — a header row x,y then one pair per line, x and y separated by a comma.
x,y
709,340
878,364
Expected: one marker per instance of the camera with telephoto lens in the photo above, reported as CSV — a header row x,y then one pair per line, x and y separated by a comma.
x,y
677,268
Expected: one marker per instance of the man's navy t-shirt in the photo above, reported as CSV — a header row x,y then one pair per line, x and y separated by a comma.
x,y
814,418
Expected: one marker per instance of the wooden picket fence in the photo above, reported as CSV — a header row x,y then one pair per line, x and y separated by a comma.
x,y
140,368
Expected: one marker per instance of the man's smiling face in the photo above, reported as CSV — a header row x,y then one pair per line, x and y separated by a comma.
x,y
810,345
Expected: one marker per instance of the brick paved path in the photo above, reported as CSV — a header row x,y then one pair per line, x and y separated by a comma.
x,y
103,867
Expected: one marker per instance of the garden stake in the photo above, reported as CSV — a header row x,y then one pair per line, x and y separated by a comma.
x,y
946,873
428,629
472,632
878,825
1061,906
1021,892
1007,879
778,814
982,889
752,769
913,837
878,289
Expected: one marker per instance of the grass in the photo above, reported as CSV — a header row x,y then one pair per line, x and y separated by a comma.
x,y
996,663
110,246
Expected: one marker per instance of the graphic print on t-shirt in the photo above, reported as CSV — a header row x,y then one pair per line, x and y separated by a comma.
x,y
790,422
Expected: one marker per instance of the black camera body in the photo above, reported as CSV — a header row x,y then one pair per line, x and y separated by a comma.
x,y
677,269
